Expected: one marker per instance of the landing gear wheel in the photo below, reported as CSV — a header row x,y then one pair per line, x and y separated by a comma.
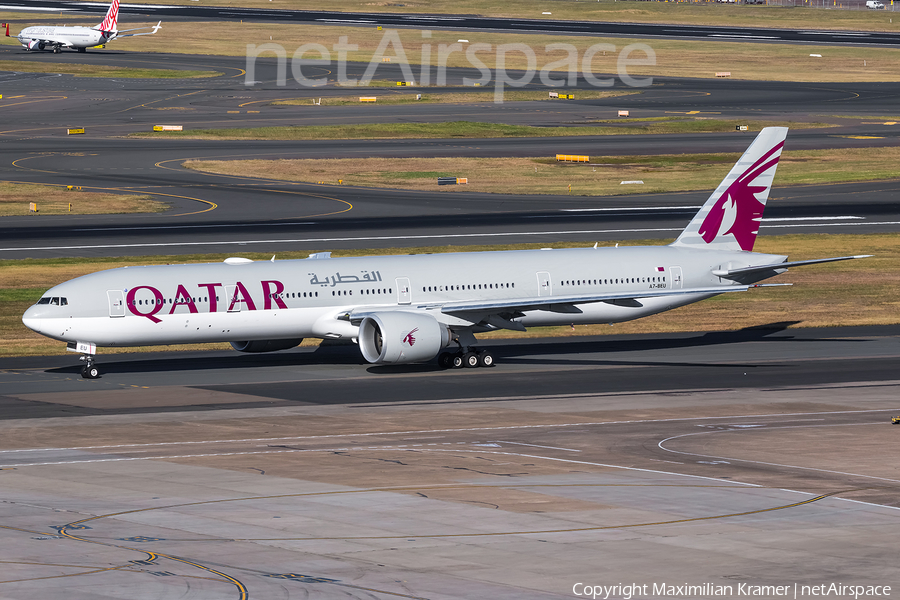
x,y
90,372
82,49
56,50
470,359
457,361
445,360
485,359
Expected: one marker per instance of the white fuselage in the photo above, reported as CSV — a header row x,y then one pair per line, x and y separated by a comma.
x,y
219,302
41,37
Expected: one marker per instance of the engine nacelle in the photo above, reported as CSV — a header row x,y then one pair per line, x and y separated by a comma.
x,y
35,45
265,345
401,337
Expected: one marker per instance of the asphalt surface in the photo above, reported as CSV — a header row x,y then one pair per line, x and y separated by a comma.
x,y
424,21
224,213
772,356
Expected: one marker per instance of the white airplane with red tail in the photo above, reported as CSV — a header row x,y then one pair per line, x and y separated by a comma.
x,y
403,309
40,37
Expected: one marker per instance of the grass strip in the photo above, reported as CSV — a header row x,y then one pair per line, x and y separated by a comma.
x,y
462,129
15,199
857,292
516,175
102,71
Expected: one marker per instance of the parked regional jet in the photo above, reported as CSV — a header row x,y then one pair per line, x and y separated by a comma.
x,y
403,309
41,37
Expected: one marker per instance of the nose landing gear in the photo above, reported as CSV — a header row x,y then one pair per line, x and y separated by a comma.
x,y
90,370
87,350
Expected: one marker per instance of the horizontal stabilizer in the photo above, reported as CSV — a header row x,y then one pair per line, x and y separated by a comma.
x,y
783,266
121,33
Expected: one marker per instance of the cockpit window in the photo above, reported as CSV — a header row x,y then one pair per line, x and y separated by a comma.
x,y
54,301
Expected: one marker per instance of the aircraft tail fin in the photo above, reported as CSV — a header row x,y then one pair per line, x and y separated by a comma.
x,y
111,21
729,220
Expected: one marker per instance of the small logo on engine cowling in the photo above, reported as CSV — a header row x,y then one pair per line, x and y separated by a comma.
x,y
410,338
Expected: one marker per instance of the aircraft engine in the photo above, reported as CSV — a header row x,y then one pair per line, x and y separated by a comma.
x,y
265,345
401,337
35,45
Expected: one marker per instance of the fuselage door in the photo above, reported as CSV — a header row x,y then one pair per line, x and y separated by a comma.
x,y
404,291
230,299
116,303
676,277
544,287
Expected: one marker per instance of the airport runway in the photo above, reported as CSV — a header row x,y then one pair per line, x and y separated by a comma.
x,y
389,219
601,461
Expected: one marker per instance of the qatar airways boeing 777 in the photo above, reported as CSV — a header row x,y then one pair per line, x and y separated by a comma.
x,y
40,37
403,309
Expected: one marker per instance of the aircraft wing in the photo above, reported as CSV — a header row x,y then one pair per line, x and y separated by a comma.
x,y
781,266
566,303
490,311
53,41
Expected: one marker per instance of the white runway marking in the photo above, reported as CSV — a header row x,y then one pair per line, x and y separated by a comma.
x,y
833,224
843,218
414,237
630,208
760,462
382,448
537,446
430,431
340,239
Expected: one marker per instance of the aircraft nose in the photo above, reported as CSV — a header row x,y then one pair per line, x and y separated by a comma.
x,y
32,318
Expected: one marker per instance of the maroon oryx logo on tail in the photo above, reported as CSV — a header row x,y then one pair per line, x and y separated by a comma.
x,y
410,338
738,211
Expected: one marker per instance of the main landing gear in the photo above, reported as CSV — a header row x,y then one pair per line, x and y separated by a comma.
x,y
90,370
469,359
